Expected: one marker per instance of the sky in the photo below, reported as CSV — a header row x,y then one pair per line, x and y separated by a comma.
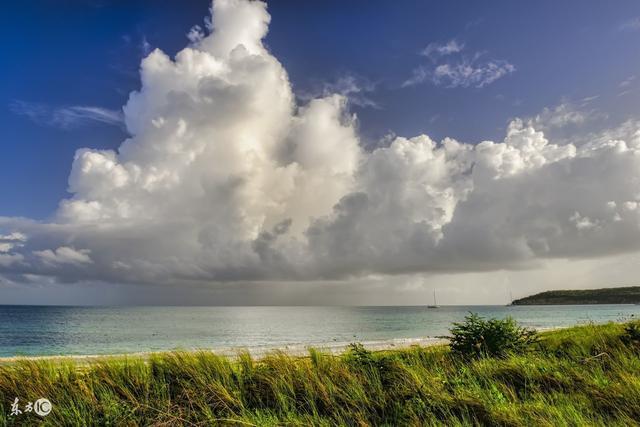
x,y
317,152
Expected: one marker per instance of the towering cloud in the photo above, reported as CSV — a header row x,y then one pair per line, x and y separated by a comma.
x,y
224,177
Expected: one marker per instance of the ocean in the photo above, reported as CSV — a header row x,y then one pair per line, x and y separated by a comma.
x,y
47,330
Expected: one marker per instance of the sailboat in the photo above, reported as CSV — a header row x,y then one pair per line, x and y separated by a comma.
x,y
435,304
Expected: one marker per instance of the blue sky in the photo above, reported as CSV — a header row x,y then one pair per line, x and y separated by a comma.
x,y
317,152
87,54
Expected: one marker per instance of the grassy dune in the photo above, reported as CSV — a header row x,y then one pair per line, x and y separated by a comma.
x,y
587,375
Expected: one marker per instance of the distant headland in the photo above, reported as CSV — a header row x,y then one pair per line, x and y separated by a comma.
x,y
625,295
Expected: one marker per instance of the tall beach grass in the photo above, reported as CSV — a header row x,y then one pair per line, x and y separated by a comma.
x,y
586,375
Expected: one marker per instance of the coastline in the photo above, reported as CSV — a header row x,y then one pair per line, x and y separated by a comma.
x,y
591,369
90,334
300,350
334,348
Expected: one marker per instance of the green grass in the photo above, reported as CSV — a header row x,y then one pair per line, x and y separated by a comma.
x,y
587,375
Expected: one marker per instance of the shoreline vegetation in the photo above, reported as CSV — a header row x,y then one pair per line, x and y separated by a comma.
x,y
623,295
234,352
583,375
334,348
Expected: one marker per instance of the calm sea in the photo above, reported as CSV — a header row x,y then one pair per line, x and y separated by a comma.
x,y
30,330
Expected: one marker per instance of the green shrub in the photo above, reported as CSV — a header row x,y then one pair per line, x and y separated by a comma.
x,y
360,357
631,335
493,337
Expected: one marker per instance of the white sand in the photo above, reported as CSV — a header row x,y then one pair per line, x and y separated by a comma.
x,y
257,352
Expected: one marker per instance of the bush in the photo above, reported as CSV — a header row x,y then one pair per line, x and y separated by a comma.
x,y
493,337
360,357
631,335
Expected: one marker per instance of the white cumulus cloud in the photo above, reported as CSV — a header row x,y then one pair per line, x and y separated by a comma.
x,y
225,177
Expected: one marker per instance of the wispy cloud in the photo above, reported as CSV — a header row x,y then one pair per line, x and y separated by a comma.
x,y
627,86
571,122
145,46
588,99
630,25
356,89
627,82
451,68
466,73
562,115
195,34
66,117
461,74
474,23
434,50
139,42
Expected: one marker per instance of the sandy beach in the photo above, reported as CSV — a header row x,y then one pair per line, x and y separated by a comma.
x,y
256,352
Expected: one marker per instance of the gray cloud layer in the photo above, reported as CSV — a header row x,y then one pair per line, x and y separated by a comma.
x,y
226,178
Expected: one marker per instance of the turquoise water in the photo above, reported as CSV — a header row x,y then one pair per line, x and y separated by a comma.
x,y
30,330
